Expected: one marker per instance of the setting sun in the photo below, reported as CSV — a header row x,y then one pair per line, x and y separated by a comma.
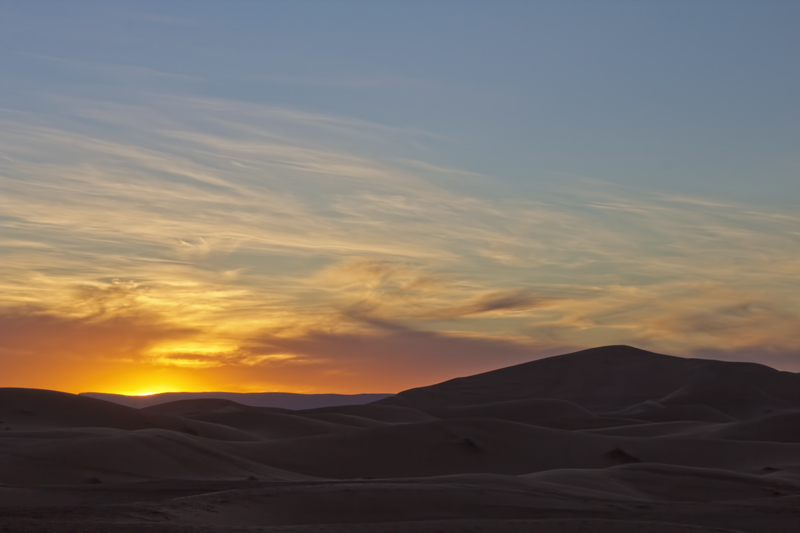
x,y
150,391
153,382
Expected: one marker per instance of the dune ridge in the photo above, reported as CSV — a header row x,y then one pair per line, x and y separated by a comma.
x,y
281,400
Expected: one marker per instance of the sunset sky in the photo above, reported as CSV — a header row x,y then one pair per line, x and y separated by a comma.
x,y
317,196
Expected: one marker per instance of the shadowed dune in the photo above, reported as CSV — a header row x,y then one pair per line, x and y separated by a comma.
x,y
274,400
609,440
347,420
276,423
115,456
265,422
354,416
476,497
545,412
200,406
783,427
272,425
612,378
658,412
498,446
31,409
655,429
383,413
736,399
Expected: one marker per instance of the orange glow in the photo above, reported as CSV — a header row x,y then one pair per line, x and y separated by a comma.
x,y
151,380
148,391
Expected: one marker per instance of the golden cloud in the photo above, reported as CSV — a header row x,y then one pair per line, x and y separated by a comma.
x,y
221,237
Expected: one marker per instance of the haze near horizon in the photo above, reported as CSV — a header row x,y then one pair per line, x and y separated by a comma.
x,y
356,197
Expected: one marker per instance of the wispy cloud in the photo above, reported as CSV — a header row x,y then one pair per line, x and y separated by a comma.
x,y
281,239
353,81
496,302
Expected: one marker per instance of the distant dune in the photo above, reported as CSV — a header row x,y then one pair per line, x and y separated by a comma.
x,y
284,400
608,440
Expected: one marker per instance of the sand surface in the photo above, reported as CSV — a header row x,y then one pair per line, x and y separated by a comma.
x,y
609,440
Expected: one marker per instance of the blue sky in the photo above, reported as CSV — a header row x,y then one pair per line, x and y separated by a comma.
x,y
274,191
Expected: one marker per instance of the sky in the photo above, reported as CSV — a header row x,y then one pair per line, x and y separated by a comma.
x,y
364,197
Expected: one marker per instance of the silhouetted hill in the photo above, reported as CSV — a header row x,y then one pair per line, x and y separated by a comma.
x,y
617,377
37,409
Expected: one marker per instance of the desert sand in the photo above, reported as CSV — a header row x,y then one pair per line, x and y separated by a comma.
x,y
607,440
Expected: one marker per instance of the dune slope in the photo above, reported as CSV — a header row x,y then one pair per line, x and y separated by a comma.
x,y
610,377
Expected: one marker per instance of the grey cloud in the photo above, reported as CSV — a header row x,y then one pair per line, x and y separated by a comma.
x,y
514,300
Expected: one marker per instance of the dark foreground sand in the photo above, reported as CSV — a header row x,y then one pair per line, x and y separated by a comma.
x,y
610,440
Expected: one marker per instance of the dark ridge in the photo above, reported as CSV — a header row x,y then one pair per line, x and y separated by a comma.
x,y
611,378
33,409
282,400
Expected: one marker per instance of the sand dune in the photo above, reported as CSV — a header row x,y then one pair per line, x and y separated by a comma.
x,y
658,412
738,400
558,501
659,482
470,496
347,420
273,425
609,440
126,456
276,423
607,378
656,429
374,411
201,406
30,409
784,427
278,400
545,412
499,446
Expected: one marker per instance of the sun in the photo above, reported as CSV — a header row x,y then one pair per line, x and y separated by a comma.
x,y
149,390
148,381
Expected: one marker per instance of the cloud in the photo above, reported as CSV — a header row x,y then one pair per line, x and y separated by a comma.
x,y
33,332
389,356
353,82
103,352
494,302
733,325
362,280
45,350
680,318
243,232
